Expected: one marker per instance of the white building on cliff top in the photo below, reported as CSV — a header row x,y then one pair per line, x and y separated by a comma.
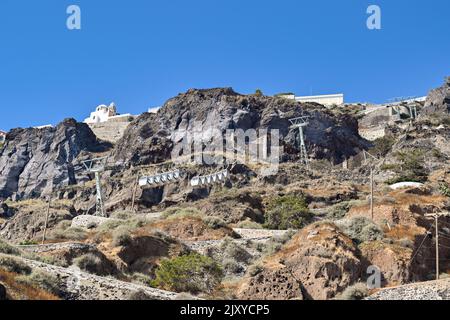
x,y
105,113
2,136
326,100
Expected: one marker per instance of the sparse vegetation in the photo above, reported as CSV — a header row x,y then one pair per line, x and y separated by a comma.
x,y
53,260
255,269
181,212
382,146
122,215
28,243
275,244
141,278
249,224
360,229
13,264
191,273
287,212
410,166
140,295
214,222
64,231
444,189
90,263
43,280
358,291
8,249
339,210
121,237
24,291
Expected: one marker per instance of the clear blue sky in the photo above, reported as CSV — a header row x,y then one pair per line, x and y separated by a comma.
x,y
139,53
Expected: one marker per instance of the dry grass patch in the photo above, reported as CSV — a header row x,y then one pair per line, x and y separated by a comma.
x,y
23,291
188,228
400,232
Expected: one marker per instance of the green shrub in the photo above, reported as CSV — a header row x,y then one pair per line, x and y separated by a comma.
x,y
43,280
255,269
53,260
90,263
109,225
12,264
192,273
135,223
444,189
214,223
339,210
249,224
360,229
231,266
28,243
275,244
410,166
8,249
358,291
122,215
141,278
382,146
121,237
287,212
233,251
181,212
64,231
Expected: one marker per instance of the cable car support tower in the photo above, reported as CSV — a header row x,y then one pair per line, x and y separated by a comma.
x,y
300,123
97,166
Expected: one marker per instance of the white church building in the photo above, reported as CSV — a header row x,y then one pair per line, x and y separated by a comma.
x,y
107,124
104,113
2,136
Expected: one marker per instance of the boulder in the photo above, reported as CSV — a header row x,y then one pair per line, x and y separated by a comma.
x,y
320,258
392,260
272,285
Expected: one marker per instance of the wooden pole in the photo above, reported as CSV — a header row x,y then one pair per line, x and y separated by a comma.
x,y
437,247
46,221
134,194
371,194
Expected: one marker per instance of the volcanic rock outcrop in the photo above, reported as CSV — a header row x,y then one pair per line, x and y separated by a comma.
x,y
35,162
438,100
151,137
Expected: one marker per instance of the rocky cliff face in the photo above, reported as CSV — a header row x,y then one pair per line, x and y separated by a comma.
x,y
34,162
151,137
438,100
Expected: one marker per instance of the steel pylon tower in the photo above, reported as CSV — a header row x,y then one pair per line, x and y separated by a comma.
x,y
300,123
97,166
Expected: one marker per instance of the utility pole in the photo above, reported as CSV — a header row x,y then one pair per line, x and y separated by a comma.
x,y
134,194
371,193
46,220
372,181
436,217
